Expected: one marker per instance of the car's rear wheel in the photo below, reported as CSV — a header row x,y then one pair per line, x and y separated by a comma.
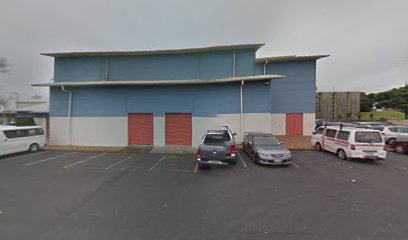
x,y
318,147
254,157
34,147
341,154
399,148
202,166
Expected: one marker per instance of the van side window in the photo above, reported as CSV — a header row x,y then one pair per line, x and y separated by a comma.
x,y
35,132
319,131
343,135
12,133
331,133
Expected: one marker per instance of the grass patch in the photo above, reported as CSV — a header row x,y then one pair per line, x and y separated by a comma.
x,y
388,114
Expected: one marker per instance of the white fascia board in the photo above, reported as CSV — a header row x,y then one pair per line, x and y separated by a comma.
x,y
159,82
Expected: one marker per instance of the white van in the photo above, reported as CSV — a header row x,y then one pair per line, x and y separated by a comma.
x,y
20,139
348,142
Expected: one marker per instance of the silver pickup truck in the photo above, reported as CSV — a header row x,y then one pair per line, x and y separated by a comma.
x,y
217,148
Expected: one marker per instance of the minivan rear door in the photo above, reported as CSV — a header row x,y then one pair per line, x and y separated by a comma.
x,y
368,142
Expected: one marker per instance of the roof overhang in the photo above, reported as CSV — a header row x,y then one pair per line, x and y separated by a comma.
x,y
290,58
154,52
158,82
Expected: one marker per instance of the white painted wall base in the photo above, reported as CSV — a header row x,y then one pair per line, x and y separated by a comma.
x,y
90,131
308,123
159,124
113,131
278,123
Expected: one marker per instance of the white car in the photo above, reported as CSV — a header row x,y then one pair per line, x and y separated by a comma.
x,y
20,139
349,143
393,133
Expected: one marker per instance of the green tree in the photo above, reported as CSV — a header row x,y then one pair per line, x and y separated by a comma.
x,y
396,98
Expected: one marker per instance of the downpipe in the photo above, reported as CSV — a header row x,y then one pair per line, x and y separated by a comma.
x,y
242,111
69,113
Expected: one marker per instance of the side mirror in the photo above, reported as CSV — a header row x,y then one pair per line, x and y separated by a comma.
x,y
250,143
280,143
234,134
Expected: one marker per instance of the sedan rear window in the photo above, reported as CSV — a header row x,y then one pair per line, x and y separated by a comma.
x,y
370,137
266,140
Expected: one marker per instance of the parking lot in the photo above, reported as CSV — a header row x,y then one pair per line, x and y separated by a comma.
x,y
138,195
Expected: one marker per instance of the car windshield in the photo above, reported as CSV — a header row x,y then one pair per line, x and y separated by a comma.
x,y
371,137
266,140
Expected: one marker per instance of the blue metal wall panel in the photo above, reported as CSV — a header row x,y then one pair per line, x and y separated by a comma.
x,y
256,97
79,69
58,102
206,65
293,94
245,62
202,100
296,92
216,64
154,67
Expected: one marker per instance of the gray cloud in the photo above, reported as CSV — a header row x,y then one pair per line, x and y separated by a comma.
x,y
366,39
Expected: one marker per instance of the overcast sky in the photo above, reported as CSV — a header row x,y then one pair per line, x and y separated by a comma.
x,y
367,39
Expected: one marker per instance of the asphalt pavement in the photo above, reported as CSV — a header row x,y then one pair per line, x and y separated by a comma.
x,y
139,195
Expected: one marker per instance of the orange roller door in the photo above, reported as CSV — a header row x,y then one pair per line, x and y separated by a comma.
x,y
178,129
294,124
140,128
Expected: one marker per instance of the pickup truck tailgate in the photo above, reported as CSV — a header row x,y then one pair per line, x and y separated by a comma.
x,y
215,151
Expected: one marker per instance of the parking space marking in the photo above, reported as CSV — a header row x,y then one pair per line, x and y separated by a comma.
x,y
121,161
48,159
196,168
294,164
242,160
85,160
25,155
164,157
176,170
397,166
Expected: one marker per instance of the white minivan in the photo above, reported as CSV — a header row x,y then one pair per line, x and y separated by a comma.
x,y
20,139
349,142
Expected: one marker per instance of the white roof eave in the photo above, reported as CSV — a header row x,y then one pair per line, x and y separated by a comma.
x,y
158,82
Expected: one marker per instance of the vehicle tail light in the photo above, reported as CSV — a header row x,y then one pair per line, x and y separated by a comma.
x,y
233,150
199,154
383,134
353,147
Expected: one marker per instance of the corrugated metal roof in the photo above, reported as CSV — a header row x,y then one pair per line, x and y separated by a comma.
x,y
154,52
157,82
290,58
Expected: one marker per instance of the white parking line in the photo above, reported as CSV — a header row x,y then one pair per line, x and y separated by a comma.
x,y
397,166
242,160
177,170
294,164
48,159
85,160
25,155
121,161
164,157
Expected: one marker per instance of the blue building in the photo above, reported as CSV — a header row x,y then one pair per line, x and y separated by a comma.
x,y
174,96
